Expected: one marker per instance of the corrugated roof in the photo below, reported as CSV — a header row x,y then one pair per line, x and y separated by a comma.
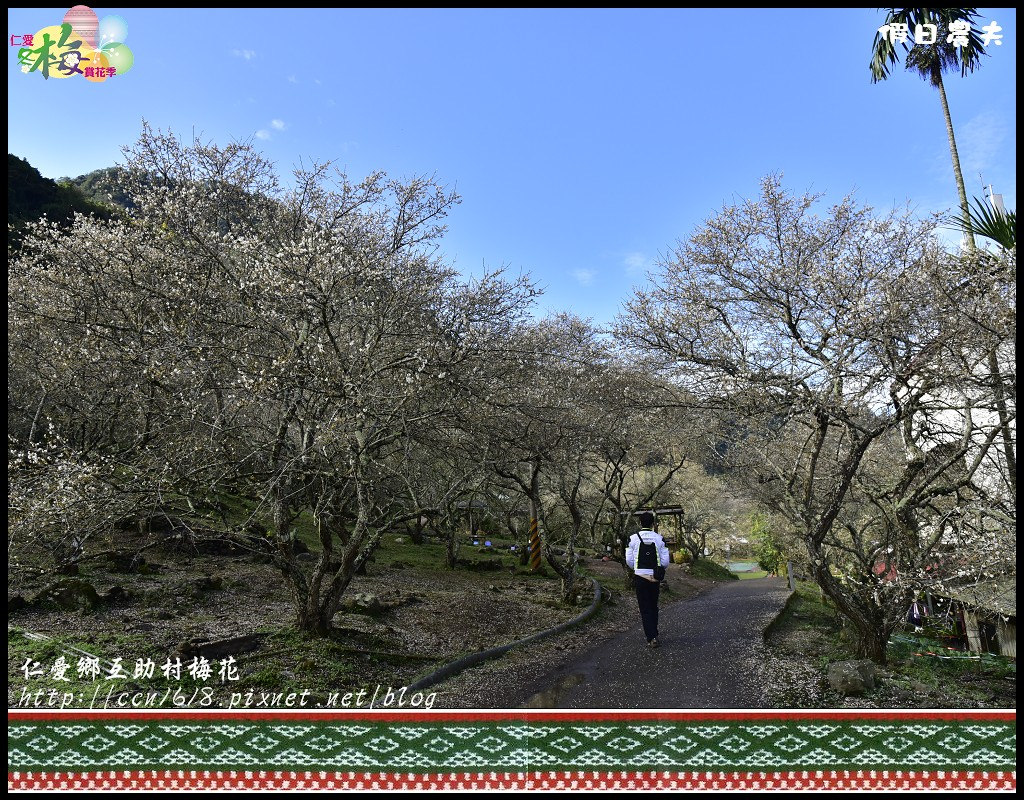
x,y
999,595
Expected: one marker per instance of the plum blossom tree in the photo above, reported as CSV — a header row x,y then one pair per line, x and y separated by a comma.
x,y
297,347
850,350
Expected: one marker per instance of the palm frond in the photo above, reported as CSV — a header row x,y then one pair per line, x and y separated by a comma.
x,y
999,226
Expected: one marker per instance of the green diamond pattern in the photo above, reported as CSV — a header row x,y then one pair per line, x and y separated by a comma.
x,y
525,744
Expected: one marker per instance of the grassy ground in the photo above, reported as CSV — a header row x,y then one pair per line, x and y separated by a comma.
x,y
809,636
709,570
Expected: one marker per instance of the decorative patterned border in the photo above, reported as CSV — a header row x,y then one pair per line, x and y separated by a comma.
x,y
568,781
171,750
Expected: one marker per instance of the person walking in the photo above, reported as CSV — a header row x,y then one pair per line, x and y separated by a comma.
x,y
645,552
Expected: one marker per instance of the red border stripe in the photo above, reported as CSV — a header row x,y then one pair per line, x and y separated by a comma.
x,y
854,715
241,780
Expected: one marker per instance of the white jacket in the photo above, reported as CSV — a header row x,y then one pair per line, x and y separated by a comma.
x,y
634,543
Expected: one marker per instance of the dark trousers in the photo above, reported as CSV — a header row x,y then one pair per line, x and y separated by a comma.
x,y
647,598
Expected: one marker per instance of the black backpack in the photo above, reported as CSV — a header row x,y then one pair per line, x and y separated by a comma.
x,y
647,558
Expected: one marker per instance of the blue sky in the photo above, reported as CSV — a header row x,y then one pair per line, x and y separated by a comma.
x,y
584,142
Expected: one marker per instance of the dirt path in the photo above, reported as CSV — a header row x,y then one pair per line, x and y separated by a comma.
x,y
704,661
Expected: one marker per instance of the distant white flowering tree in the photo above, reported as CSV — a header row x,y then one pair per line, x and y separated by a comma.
x,y
640,454
849,353
539,426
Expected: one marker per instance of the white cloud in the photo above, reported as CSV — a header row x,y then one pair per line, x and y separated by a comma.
x,y
248,55
979,143
584,276
343,147
636,263
292,79
262,134
277,124
981,146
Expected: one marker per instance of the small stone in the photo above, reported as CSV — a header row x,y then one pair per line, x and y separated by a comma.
x,y
189,647
852,677
364,603
70,594
117,593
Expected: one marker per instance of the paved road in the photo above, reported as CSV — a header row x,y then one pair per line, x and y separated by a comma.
x,y
703,661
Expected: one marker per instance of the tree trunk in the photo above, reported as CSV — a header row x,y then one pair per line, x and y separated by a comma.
x,y
1006,431
868,623
451,550
305,594
566,571
319,597
313,620
696,553
957,174
416,534
621,541
872,644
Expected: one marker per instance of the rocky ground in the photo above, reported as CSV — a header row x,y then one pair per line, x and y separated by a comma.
x,y
402,623
809,641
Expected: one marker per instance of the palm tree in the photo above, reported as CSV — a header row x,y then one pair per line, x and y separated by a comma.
x,y
930,61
